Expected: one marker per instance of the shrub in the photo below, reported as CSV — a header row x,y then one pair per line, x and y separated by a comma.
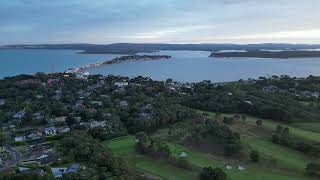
x,y
313,169
255,156
208,173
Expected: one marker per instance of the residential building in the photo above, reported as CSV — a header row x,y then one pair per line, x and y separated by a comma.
x,y
20,138
2,102
121,84
63,129
50,131
19,115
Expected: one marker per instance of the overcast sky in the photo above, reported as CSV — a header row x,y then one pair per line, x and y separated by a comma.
x,y
164,21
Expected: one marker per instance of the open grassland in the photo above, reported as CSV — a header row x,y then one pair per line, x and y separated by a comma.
x,y
124,146
282,156
308,126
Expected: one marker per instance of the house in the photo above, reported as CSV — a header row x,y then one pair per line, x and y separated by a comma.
x,y
39,96
307,94
37,116
315,94
97,124
20,138
77,118
8,126
61,119
270,89
45,158
123,104
146,112
73,168
99,103
183,154
35,135
63,129
60,171
121,84
19,115
23,169
50,131
2,102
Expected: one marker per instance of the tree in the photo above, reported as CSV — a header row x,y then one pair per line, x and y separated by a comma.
x,y
2,139
259,122
208,173
313,169
255,156
243,117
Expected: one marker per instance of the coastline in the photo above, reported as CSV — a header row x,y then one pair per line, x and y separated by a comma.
x,y
118,60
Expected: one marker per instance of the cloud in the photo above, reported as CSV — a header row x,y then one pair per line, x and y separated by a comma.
x,y
108,21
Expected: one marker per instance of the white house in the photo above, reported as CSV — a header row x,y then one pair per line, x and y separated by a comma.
x,y
35,135
97,124
49,131
2,102
19,138
63,129
19,115
121,84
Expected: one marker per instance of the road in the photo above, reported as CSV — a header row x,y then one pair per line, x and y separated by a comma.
x,y
16,158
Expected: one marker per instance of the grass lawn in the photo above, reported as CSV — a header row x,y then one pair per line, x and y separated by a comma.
x,y
124,146
308,126
290,158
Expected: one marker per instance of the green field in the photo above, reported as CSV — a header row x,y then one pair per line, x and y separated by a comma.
x,y
308,126
125,147
284,156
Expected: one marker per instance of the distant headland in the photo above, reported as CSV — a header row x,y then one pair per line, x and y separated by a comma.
x,y
285,54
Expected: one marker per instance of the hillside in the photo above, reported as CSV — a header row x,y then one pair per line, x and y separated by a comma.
x,y
140,128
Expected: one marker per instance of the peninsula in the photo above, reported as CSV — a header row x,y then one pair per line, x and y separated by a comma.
x,y
285,54
136,58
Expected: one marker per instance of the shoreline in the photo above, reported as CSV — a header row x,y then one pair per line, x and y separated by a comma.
x,y
118,60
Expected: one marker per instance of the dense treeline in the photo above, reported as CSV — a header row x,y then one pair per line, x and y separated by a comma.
x,y
249,99
100,162
282,136
159,150
269,54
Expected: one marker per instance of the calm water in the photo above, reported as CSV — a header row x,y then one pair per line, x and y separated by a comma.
x,y
184,66
197,66
13,62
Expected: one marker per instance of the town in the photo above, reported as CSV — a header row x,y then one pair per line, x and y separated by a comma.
x,y
39,114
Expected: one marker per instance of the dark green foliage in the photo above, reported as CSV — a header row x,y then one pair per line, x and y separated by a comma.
x,y
259,122
255,156
80,147
282,136
208,173
151,147
2,139
313,169
228,120
223,133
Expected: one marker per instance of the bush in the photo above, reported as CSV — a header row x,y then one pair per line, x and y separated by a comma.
x,y
255,156
228,120
313,169
208,173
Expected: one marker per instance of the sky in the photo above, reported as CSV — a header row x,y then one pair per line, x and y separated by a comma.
x,y
159,21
